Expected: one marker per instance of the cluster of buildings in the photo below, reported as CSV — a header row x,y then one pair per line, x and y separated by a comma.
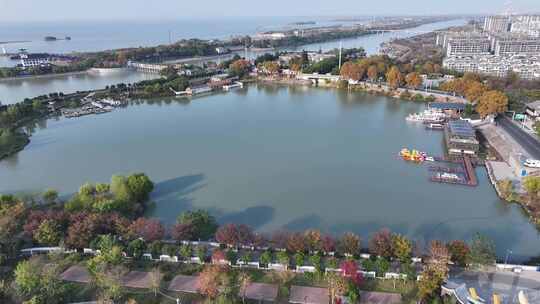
x,y
506,44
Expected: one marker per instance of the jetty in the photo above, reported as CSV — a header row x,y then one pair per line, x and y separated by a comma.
x,y
464,175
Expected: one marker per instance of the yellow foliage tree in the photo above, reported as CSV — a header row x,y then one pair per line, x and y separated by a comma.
x,y
413,80
492,102
394,77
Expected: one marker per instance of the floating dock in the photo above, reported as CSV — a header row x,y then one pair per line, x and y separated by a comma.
x,y
466,169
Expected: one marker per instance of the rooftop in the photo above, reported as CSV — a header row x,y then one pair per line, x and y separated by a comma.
x,y
448,106
534,105
461,128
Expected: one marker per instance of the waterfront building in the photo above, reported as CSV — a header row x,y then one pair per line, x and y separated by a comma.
x,y
460,138
497,24
34,60
270,36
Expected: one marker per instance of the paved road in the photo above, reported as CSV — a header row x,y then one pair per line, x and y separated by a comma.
x,y
529,143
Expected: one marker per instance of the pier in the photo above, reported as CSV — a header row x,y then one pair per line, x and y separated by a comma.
x,y
466,172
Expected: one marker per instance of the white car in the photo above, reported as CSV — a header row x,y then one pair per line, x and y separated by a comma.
x,y
532,163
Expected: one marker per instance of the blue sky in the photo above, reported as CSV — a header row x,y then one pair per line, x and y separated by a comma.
x,y
58,10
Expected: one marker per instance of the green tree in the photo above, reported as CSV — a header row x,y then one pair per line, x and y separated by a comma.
x,y
482,251
50,196
39,281
204,225
48,233
532,186
265,258
402,248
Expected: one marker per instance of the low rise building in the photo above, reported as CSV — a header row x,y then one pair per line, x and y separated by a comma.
x,y
460,138
533,110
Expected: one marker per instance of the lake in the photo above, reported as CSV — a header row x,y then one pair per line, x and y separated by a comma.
x,y
274,158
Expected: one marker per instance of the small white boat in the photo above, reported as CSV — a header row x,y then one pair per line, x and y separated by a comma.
x,y
430,159
532,163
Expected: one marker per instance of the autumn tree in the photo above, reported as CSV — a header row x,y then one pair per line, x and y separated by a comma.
x,y
373,72
353,71
337,285
402,248
435,271
459,252
296,242
239,68
328,244
212,280
234,235
349,244
48,233
313,240
474,90
413,80
381,243
148,229
182,232
394,77
492,102
244,280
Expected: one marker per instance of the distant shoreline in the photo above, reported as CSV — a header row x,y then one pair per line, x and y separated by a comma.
x,y
43,76
15,41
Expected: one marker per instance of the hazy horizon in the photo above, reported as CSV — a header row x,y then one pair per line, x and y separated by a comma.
x,y
145,11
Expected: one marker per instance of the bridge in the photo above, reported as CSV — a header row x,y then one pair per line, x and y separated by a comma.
x,y
147,67
316,77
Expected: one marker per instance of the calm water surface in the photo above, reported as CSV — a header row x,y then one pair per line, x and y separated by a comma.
x,y
274,157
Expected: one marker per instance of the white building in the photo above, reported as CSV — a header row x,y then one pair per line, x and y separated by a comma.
x,y
29,60
526,25
525,67
497,24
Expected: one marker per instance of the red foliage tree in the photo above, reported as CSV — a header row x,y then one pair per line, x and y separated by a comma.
x,y
218,256
279,239
244,235
183,232
227,234
349,269
381,243
210,280
328,243
148,229
259,240
313,240
296,242
36,217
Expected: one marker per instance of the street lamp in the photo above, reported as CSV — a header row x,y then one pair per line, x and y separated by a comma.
x,y
508,253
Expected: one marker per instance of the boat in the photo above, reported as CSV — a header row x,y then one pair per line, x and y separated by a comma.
x,y
413,155
435,126
532,163
431,116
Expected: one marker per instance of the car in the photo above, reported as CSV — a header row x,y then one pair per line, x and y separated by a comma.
x,y
532,163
